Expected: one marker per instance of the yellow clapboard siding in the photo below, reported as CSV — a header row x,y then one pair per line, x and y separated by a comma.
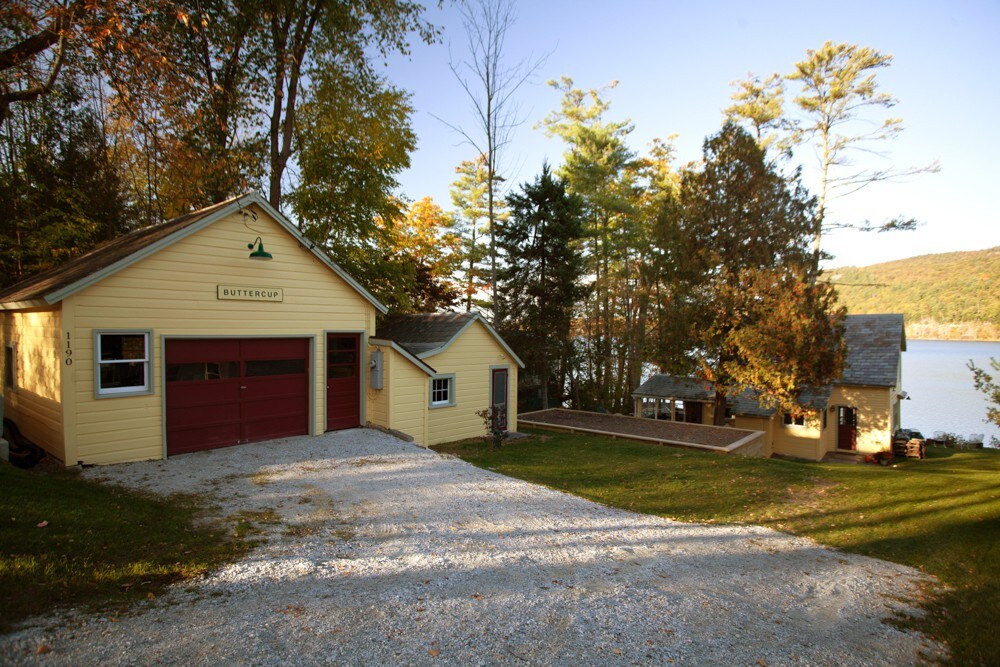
x,y
470,358
122,453
757,424
378,399
408,410
36,404
173,293
799,441
874,416
145,437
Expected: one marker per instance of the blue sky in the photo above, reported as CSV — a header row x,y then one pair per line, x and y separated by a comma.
x,y
674,62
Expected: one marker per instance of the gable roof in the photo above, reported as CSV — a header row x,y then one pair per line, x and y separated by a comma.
x,y
55,285
406,354
427,334
873,345
747,403
663,385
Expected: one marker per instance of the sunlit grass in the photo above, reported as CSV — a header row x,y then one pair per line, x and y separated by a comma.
x,y
940,515
100,547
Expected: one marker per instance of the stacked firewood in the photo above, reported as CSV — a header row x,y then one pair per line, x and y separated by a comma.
x,y
913,448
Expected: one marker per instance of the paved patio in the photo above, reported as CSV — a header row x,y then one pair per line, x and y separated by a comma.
x,y
712,438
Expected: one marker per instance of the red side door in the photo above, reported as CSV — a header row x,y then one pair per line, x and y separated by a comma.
x,y
847,428
227,391
343,381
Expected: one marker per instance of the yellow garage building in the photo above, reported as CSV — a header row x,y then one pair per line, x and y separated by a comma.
x,y
227,326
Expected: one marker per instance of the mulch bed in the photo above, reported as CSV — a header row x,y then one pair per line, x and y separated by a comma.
x,y
696,434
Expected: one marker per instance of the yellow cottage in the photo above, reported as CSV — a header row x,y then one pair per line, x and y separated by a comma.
x,y
858,413
189,335
472,368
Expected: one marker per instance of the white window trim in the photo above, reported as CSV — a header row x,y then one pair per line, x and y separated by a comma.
x,y
14,385
451,402
118,392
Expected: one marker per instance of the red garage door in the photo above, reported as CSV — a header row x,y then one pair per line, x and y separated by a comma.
x,y
226,391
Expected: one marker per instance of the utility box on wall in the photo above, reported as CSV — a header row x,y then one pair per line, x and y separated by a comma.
x,y
375,364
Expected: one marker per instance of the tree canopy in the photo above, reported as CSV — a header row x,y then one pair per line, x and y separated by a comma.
x,y
758,319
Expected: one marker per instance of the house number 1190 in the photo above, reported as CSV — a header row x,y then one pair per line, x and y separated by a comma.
x,y
69,350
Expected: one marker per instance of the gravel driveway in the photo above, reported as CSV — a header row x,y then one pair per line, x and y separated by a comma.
x,y
387,553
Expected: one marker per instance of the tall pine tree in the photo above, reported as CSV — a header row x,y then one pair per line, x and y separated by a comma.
x,y
539,287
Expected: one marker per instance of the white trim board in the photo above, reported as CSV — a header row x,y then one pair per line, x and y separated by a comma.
x,y
234,206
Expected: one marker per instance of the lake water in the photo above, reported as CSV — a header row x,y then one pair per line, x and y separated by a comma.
x,y
942,397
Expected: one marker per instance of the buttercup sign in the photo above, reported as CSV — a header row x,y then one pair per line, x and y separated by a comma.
x,y
250,293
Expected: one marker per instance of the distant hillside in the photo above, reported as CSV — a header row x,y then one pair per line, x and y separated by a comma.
x,y
953,295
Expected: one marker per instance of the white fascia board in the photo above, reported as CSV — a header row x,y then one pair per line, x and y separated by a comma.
x,y
258,199
476,318
439,350
237,204
385,342
142,253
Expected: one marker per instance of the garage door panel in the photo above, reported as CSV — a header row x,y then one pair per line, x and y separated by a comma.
x,y
207,407
204,437
252,349
273,408
255,430
181,351
192,394
273,387
221,413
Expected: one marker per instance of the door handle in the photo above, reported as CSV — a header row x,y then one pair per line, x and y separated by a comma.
x,y
242,387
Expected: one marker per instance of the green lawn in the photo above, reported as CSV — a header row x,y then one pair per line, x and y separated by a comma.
x,y
941,515
101,547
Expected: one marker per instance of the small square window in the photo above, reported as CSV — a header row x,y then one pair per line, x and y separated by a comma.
x,y
10,367
122,363
794,420
442,391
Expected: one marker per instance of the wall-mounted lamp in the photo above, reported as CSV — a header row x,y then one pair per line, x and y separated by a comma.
x,y
259,253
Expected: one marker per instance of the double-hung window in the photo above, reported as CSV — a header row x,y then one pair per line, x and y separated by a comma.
x,y
442,391
123,363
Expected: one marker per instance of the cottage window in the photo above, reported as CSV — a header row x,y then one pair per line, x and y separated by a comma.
x,y
442,391
123,363
10,367
794,420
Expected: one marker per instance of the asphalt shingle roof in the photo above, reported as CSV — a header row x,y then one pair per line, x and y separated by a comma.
x,y
37,287
676,386
746,403
873,344
422,332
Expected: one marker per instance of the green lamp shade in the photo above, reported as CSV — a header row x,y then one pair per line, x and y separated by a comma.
x,y
259,253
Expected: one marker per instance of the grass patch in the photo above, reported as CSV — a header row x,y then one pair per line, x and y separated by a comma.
x,y
300,530
102,547
940,515
251,522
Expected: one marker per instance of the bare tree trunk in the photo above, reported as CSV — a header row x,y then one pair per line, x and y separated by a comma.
x,y
546,371
490,86
288,61
719,407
